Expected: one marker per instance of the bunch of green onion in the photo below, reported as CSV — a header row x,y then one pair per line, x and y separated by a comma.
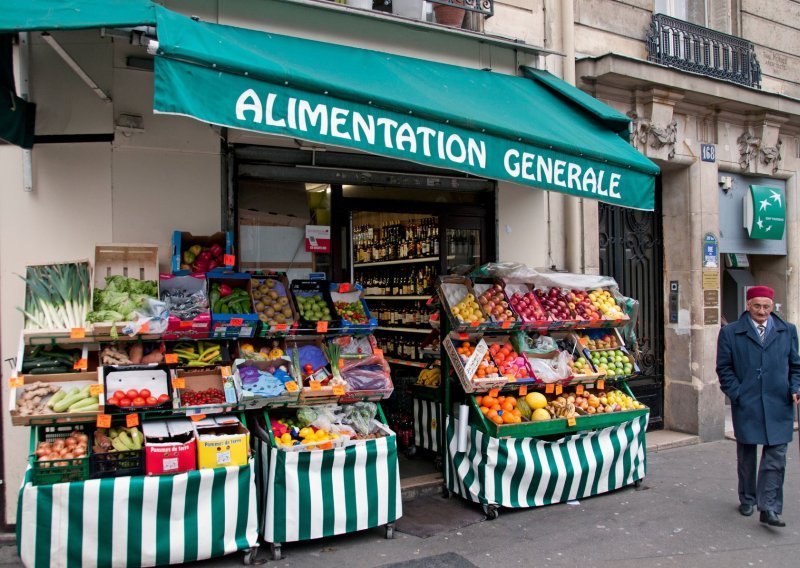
x,y
334,352
56,295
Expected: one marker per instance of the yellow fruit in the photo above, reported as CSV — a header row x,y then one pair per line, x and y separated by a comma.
x,y
540,415
536,400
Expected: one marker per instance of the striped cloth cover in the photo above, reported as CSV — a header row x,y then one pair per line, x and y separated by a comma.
x,y
138,521
529,472
328,492
427,419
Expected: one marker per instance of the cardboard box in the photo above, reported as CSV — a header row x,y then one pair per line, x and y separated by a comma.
x,y
232,325
196,328
466,371
222,441
249,399
170,447
181,241
155,378
278,282
203,379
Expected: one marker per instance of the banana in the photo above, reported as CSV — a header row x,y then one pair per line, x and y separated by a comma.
x,y
119,445
125,439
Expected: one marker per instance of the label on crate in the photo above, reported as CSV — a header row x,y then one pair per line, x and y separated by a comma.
x,y
225,371
377,352
104,421
291,386
15,382
228,259
169,464
80,365
579,389
463,336
185,324
571,421
171,358
197,417
236,321
474,323
559,389
179,383
322,327
77,333
338,390
523,390
279,327
506,324
132,420
601,384
549,388
223,457
145,328
315,385
95,390
344,288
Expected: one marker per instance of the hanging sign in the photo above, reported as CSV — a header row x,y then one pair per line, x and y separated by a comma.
x,y
318,238
765,212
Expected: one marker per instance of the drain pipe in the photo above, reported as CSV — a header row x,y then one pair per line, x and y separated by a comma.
x,y
573,206
24,93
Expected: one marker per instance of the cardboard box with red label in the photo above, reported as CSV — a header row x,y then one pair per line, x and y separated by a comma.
x,y
170,447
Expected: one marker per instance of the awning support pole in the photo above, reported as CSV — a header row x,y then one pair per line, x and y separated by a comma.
x,y
51,41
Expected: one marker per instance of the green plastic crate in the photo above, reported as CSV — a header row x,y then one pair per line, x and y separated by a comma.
x,y
62,470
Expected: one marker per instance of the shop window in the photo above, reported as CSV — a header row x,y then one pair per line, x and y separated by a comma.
x,y
273,221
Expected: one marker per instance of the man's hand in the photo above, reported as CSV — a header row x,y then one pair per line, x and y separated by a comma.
x,y
796,398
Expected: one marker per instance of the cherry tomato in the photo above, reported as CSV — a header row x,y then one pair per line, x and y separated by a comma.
x,y
119,394
138,401
125,401
132,393
144,393
163,398
151,401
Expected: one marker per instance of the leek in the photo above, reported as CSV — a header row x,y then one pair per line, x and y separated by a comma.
x,y
56,296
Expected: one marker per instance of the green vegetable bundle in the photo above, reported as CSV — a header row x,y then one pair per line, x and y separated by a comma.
x,y
121,297
230,300
56,295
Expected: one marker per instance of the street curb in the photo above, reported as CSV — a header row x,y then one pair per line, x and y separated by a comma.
x,y
687,441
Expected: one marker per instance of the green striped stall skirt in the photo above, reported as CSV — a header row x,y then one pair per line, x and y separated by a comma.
x,y
138,521
328,492
528,472
427,418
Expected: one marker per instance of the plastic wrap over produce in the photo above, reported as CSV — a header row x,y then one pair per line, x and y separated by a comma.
x,y
369,373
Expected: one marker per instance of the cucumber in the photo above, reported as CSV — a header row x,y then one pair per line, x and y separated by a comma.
x,y
48,370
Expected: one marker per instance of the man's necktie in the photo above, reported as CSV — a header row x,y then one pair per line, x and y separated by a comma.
x,y
762,330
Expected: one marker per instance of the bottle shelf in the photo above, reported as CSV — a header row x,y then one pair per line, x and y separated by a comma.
x,y
404,329
392,262
399,298
407,363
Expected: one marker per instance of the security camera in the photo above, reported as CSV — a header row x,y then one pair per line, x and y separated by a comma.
x,y
725,183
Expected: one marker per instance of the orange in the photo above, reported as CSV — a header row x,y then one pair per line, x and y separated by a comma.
x,y
516,412
507,407
511,399
488,401
497,407
492,414
484,410
501,399
508,418
478,400
497,420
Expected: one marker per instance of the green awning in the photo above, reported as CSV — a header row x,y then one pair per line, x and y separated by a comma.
x,y
534,130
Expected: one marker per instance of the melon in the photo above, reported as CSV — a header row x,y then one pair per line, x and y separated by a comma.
x,y
536,400
540,415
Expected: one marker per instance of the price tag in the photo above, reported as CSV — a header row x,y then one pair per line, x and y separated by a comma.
x,y
474,323
145,328
429,302
338,390
77,333
322,327
96,390
559,389
104,421
579,389
571,421
583,341
523,390
279,327
171,358
80,365
344,288
15,382
463,336
549,388
179,383
506,324
225,371
377,352
228,260
236,321
494,393
185,324
197,417
291,386
315,385
601,384
132,420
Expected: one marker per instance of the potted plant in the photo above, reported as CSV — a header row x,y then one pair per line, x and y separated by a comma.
x,y
449,15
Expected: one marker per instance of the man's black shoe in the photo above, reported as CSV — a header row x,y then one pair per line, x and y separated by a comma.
x,y
746,509
771,518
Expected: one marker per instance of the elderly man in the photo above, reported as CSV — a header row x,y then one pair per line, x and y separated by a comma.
x,y
759,371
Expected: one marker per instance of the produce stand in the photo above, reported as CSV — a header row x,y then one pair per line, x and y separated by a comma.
x,y
583,434
427,418
315,494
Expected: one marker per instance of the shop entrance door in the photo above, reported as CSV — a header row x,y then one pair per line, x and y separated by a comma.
x,y
631,251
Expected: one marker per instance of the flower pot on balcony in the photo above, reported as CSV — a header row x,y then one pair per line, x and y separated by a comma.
x,y
449,15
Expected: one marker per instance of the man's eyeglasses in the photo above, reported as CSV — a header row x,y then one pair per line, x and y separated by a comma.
x,y
762,306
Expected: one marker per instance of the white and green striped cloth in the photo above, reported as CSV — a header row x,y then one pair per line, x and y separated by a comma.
x,y
529,472
328,492
138,521
427,422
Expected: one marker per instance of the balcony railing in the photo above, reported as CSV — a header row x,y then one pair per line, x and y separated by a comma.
x,y
485,7
687,46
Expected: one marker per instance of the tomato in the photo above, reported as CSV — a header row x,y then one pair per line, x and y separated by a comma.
x,y
138,401
113,400
151,401
132,393
163,398
144,393
119,394
125,401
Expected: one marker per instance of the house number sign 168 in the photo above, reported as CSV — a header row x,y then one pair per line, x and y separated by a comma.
x,y
708,153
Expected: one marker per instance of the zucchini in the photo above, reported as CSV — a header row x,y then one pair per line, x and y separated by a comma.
x,y
48,371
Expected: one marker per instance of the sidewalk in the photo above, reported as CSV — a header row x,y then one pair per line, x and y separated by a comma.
x,y
683,515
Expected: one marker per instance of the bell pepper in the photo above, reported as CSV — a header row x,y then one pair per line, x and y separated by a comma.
x,y
225,290
216,250
188,257
204,255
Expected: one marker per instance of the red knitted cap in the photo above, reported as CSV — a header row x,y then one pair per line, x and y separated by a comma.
x,y
760,292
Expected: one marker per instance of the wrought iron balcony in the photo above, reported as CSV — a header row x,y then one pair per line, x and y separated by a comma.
x,y
687,46
485,7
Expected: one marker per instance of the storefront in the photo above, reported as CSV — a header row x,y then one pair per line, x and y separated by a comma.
x,y
366,144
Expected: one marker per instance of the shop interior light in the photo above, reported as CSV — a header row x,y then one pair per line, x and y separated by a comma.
x,y
141,63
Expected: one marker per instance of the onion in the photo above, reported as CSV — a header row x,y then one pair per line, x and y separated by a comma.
x,y
69,455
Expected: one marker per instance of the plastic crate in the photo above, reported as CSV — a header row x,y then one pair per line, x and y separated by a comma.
x,y
62,470
117,464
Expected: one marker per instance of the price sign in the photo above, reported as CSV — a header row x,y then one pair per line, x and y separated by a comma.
x,y
179,383
132,420
559,389
291,386
344,288
185,324
377,352
549,388
197,417
338,390
15,382
579,389
279,327
225,371
315,385
322,327
228,260
571,421
80,365
474,323
145,328
171,358
236,321
523,390
601,384
96,390
506,324
494,393
77,333
104,421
